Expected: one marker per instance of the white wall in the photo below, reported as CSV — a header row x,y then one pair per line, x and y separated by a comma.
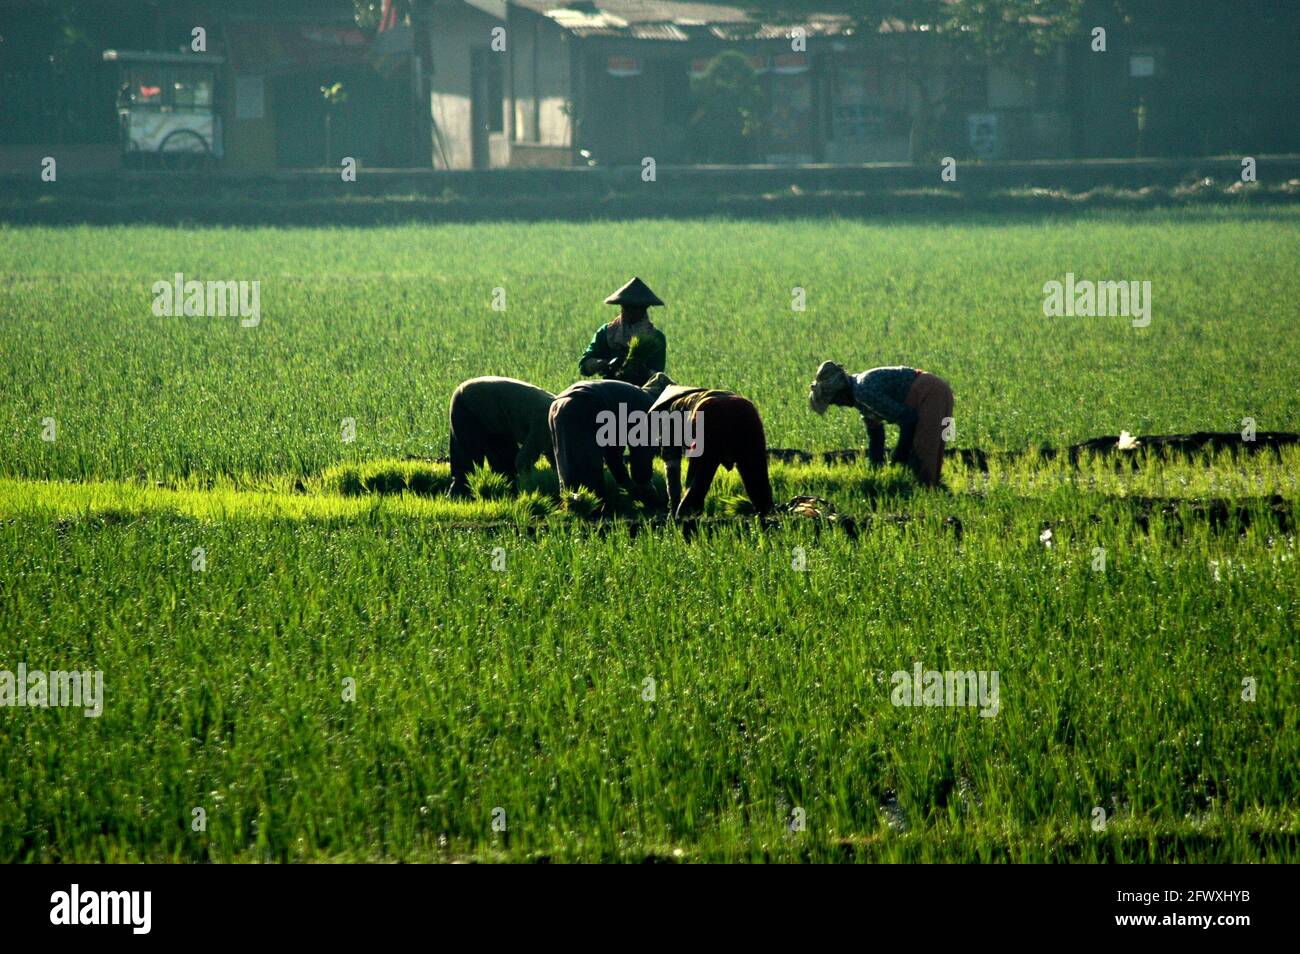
x,y
552,51
455,28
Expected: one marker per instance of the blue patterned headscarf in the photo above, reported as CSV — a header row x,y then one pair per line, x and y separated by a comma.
x,y
831,379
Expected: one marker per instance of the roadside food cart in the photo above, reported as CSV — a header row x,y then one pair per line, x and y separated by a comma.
x,y
167,107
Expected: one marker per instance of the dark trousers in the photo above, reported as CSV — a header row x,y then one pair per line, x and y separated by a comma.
x,y
472,444
579,462
733,435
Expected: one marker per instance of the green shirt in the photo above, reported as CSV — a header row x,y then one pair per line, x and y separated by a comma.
x,y
517,408
651,355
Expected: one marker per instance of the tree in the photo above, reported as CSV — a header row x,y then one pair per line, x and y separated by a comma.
x,y
1011,31
729,109
369,13
335,96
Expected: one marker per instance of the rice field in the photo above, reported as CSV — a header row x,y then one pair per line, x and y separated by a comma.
x,y
308,654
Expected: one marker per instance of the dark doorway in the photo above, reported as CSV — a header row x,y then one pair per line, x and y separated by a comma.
x,y
372,125
487,103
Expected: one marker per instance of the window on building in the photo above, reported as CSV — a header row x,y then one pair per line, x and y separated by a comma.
x,y
146,87
192,92
1142,65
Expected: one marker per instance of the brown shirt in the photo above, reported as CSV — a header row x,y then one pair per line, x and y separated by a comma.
x,y
685,401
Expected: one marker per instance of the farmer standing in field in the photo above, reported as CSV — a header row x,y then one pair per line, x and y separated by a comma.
x,y
727,432
920,404
502,421
629,348
583,448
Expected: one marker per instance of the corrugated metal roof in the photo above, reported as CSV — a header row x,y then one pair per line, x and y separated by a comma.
x,y
576,20
658,31
836,26
641,11
672,21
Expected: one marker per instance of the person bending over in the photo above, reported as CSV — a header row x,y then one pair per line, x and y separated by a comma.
x,y
727,432
584,445
920,404
501,421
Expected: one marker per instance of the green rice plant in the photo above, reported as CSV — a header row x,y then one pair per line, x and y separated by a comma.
x,y
384,477
624,690
581,503
488,485
531,507
772,688
177,398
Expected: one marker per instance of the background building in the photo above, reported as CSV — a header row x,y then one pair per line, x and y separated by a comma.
x,y
477,84
611,82
265,92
